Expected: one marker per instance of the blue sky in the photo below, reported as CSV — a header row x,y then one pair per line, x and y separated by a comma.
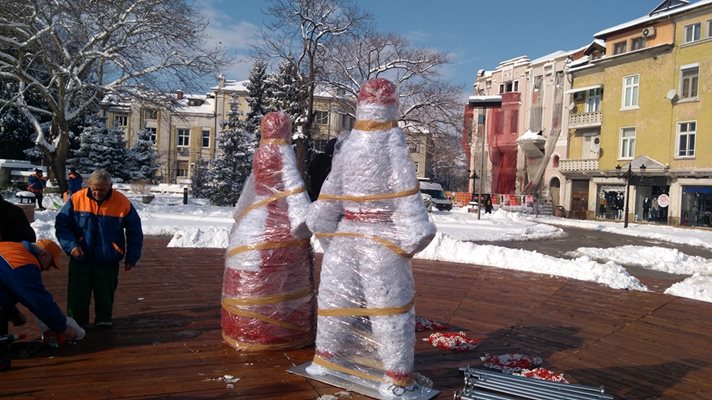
x,y
477,34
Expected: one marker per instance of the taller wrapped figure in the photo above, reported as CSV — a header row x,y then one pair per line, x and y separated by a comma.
x,y
370,219
268,298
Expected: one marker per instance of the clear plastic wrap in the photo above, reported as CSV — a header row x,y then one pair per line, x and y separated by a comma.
x,y
370,220
268,299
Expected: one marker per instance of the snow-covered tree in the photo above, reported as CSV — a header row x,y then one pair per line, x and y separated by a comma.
x,y
233,161
257,93
286,92
199,179
72,53
426,100
102,148
301,30
142,158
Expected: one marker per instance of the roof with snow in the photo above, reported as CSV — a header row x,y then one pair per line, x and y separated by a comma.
x,y
232,85
666,9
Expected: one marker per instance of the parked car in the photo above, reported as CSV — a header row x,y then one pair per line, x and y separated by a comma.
x,y
437,195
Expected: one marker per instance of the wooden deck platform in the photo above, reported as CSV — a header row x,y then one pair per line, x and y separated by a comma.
x,y
166,342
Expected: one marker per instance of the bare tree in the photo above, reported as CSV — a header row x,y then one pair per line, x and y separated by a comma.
x,y
72,53
428,102
302,30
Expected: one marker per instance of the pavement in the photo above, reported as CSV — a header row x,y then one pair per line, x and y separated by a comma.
x,y
576,237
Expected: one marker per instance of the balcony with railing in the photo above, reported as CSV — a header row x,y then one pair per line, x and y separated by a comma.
x,y
582,165
585,120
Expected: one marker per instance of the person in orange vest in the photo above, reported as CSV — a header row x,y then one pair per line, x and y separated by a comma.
x,y
21,265
36,184
98,227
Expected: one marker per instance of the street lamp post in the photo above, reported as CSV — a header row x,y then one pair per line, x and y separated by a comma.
x,y
628,175
483,102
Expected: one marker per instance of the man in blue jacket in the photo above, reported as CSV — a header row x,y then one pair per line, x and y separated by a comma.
x,y
97,227
21,265
36,184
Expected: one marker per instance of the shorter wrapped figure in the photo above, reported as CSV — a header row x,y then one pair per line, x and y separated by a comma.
x,y
370,220
268,287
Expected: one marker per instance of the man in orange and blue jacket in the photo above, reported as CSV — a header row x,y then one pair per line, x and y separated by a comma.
x,y
21,265
97,227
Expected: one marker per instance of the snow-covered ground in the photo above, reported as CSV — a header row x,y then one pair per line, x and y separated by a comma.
x,y
199,225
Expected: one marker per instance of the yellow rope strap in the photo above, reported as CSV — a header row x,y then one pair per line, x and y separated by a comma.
x,y
384,242
258,347
336,367
272,141
268,200
374,126
268,245
381,196
276,298
365,312
251,314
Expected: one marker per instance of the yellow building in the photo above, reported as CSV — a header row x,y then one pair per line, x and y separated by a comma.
x,y
638,117
188,132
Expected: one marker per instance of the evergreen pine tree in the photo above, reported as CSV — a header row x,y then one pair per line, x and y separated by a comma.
x,y
256,97
102,147
142,158
199,179
286,92
231,167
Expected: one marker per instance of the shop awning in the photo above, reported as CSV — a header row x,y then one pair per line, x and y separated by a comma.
x,y
582,89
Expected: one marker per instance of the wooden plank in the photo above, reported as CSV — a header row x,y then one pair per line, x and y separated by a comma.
x,y
166,341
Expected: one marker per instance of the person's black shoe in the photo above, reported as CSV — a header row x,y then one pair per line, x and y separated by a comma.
x,y
103,324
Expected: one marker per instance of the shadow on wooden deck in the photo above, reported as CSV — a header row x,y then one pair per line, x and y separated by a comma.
x,y
166,340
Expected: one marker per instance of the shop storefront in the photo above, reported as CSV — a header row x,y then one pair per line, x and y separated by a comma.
x,y
696,206
610,202
652,199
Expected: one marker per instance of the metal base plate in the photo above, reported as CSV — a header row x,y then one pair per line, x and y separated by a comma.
x,y
353,384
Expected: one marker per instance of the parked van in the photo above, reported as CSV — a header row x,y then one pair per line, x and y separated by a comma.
x,y
437,195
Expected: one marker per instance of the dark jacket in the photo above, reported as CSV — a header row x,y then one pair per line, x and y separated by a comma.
x,y
74,182
98,227
36,183
14,226
21,282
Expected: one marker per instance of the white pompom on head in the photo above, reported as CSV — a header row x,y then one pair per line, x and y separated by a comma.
x,y
377,101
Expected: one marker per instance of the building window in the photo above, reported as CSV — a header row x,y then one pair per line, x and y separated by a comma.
x,y
182,169
637,43
686,139
417,167
709,28
630,91
689,81
692,33
627,144
183,137
347,122
321,117
205,138
508,87
120,121
619,48
153,134
593,100
150,114
413,147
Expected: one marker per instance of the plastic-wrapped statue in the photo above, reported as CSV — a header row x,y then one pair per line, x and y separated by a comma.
x,y
268,288
370,219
